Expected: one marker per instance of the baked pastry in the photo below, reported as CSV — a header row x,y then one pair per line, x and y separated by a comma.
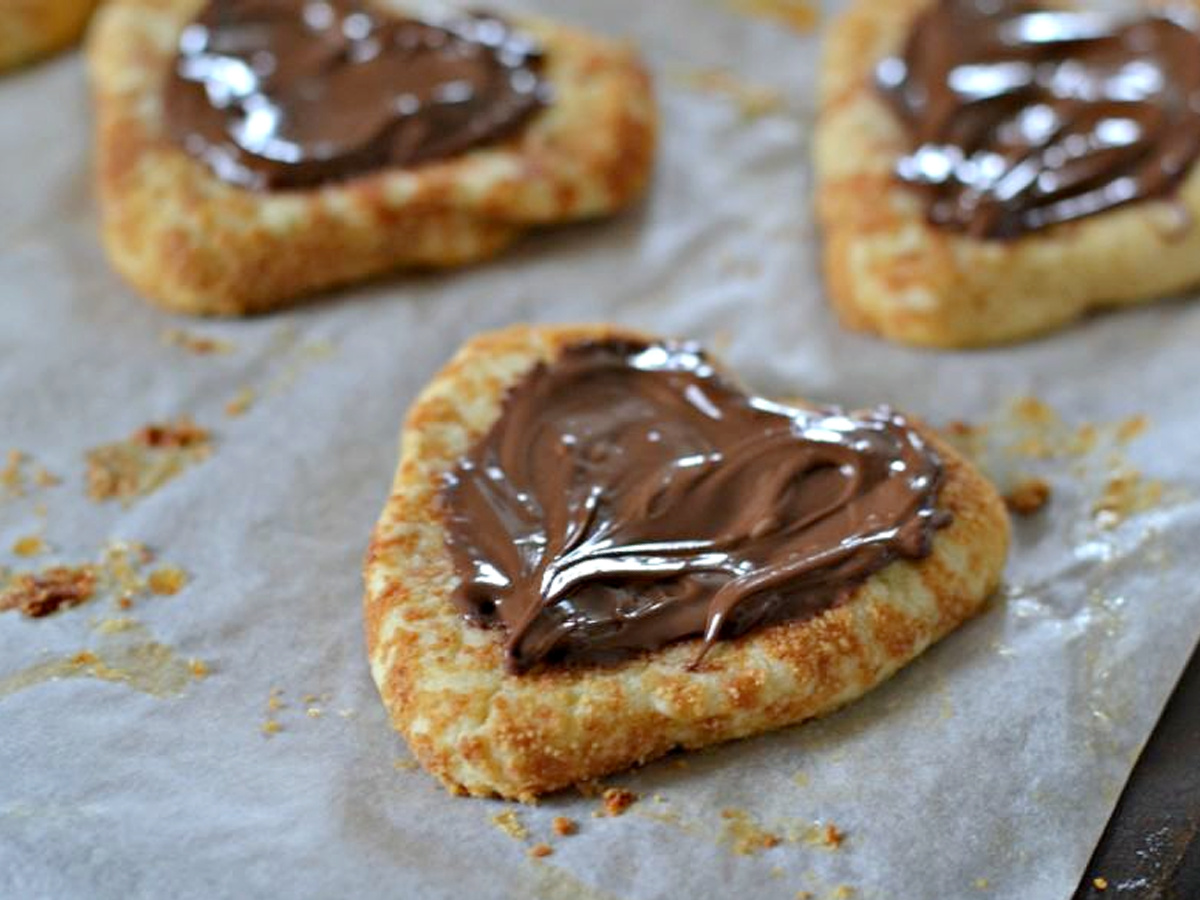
x,y
31,29
597,549
985,176
251,152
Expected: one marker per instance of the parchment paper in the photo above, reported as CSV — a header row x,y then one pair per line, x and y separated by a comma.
x,y
986,769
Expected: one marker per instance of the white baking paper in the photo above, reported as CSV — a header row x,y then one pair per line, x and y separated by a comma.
x,y
987,769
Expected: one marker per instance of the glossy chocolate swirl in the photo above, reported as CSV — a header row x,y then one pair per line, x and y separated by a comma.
x,y
629,496
1021,118
295,93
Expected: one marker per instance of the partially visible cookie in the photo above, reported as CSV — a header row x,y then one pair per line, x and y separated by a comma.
x,y
198,243
958,283
579,690
31,29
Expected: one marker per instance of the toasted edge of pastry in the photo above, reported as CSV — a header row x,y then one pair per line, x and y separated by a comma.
x,y
32,29
195,244
889,271
483,731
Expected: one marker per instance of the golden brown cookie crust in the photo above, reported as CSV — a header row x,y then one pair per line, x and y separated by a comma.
x,y
483,731
195,244
890,272
31,29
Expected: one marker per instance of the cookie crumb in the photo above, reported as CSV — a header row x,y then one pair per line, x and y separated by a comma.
x,y
270,727
1028,496
314,712
240,403
842,892
199,344
510,823
84,658
981,883
540,850
1101,884
563,826
744,835
167,581
617,800
404,765
199,668
833,836
44,594
30,545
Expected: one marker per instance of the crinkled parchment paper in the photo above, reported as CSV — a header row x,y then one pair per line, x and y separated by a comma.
x,y
151,767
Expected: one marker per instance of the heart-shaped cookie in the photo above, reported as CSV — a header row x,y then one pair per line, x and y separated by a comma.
x,y
576,509
989,171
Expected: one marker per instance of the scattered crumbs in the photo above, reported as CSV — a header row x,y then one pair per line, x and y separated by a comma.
x,y
167,581
1028,496
199,668
1125,493
310,698
30,545
842,892
777,872
832,836
405,765
800,779
271,727
981,884
199,344
42,594
563,826
240,403
314,712
141,464
540,850
743,834
804,895
510,823
275,700
753,101
346,713
800,16
1101,884
617,800
124,603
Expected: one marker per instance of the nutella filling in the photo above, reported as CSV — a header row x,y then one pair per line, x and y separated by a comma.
x,y
630,496
1022,117
275,94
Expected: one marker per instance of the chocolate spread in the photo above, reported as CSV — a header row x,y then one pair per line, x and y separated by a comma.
x,y
629,496
295,93
1021,118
